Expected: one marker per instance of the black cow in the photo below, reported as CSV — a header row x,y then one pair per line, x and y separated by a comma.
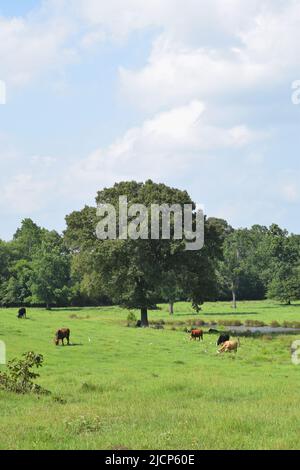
x,y
223,338
22,312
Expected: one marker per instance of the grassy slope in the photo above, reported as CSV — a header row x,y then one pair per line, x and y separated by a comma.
x,y
152,389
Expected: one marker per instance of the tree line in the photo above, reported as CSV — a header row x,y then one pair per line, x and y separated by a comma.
x,y
39,267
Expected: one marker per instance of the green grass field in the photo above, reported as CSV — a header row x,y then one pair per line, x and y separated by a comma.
x,y
127,388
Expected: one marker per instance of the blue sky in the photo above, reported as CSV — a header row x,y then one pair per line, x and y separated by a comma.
x,y
198,98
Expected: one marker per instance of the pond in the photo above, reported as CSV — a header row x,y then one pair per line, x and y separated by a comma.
x,y
262,329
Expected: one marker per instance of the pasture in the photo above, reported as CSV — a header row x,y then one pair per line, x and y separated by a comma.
x,y
124,388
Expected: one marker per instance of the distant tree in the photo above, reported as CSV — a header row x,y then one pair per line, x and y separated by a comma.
x,y
285,280
170,290
232,266
80,238
51,273
285,286
80,235
5,260
17,289
27,239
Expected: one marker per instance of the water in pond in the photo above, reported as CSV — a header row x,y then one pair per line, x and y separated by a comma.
x,y
262,329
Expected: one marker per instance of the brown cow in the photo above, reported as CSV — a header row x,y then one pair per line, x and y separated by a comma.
x,y
229,346
196,334
60,335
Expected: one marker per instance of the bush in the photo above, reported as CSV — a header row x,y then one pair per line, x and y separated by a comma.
x,y
267,337
131,319
20,377
254,323
85,424
275,324
199,323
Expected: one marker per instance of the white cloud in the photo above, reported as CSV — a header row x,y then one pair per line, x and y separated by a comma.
x,y
259,52
33,45
184,20
273,39
25,194
290,192
169,143
199,48
43,161
175,74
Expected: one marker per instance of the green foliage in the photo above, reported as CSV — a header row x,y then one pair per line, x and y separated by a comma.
x,y
41,267
138,273
131,318
35,267
27,239
285,286
51,277
17,290
20,378
51,272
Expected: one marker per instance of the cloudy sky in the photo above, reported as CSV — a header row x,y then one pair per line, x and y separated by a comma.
x,y
192,93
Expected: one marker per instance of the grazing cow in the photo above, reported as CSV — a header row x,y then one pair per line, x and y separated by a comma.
x,y
222,338
196,334
63,333
212,331
22,312
229,346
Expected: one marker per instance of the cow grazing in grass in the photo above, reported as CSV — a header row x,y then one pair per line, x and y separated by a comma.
x,y
222,338
22,312
196,334
63,333
230,346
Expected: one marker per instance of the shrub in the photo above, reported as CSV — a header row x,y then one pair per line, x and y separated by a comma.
x,y
287,324
199,323
275,324
20,378
254,323
267,337
131,319
85,424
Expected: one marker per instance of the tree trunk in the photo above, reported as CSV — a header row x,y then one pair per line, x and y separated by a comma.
x,y
144,317
171,308
234,299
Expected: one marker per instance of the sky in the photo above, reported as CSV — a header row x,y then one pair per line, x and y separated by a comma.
x,y
194,94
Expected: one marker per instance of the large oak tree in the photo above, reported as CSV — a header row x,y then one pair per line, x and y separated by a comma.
x,y
132,273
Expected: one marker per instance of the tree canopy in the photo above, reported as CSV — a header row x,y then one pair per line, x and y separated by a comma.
x,y
42,267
